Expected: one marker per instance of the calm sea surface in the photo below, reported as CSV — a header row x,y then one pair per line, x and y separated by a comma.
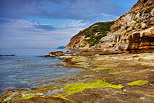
x,y
28,70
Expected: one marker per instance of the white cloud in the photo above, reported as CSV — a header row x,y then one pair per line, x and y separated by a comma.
x,y
23,33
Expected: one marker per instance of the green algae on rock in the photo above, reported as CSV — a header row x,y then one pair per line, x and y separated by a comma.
x,y
80,87
79,59
138,82
28,96
103,68
113,72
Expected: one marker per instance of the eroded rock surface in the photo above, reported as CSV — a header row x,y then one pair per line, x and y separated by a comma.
x,y
133,31
118,78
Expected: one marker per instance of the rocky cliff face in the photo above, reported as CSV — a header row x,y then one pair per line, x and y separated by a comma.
x,y
89,36
134,31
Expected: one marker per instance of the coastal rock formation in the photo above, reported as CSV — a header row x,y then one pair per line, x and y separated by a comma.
x,y
133,32
89,36
57,53
53,54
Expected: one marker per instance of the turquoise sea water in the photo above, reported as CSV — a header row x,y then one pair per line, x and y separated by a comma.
x,y
28,70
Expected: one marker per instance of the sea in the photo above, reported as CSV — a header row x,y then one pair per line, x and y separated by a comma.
x,y
28,70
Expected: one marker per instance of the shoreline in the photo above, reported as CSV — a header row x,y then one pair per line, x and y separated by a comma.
x,y
118,69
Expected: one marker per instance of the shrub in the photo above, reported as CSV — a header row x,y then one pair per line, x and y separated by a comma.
x,y
101,28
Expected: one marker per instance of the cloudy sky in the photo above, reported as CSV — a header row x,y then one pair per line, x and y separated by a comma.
x,y
51,23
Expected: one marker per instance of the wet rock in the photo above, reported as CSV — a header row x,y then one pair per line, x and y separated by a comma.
x,y
124,72
57,53
12,89
65,57
57,90
46,56
8,55
68,52
10,97
41,100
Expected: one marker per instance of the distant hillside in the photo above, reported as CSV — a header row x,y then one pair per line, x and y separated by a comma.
x,y
90,36
60,47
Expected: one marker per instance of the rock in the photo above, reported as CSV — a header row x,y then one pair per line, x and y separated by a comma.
x,y
68,52
40,94
57,53
151,20
8,55
10,97
84,40
152,31
66,58
45,56
53,54
57,90
143,25
152,12
130,28
131,32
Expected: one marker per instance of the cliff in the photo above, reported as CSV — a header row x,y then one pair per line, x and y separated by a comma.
x,y
133,32
89,36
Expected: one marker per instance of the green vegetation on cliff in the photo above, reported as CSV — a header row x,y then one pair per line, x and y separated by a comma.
x,y
95,32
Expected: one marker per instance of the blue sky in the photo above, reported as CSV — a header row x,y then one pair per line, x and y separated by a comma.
x,y
51,23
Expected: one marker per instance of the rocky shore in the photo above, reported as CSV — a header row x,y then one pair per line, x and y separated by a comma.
x,y
117,63
112,78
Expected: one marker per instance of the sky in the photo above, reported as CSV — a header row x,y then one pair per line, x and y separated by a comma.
x,y
51,23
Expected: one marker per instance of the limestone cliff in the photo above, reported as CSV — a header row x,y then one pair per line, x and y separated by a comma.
x,y
133,31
